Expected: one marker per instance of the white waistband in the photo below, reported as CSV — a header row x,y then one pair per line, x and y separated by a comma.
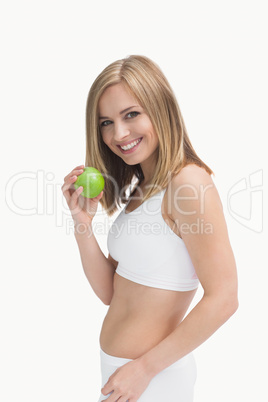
x,y
120,361
113,360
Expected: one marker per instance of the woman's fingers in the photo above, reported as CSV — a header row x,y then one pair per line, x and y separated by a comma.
x,y
75,203
66,187
69,180
77,171
114,397
74,198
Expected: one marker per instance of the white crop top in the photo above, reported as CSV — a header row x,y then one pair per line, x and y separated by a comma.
x,y
148,251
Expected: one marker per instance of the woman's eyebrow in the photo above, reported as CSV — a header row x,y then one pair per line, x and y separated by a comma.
x,y
123,111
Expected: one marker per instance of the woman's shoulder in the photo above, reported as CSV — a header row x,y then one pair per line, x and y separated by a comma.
x,y
191,174
189,188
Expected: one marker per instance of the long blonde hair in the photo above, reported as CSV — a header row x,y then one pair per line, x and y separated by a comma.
x,y
146,82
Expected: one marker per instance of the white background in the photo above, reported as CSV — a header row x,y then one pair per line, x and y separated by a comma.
x,y
214,54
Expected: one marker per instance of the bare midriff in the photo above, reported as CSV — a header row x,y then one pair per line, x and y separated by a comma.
x,y
139,317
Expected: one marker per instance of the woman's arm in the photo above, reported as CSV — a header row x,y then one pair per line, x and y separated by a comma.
x,y
98,269
196,208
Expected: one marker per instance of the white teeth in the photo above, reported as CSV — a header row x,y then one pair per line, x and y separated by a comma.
x,y
131,145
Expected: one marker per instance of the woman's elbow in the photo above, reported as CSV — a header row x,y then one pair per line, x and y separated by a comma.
x,y
225,303
106,299
234,304
106,302
229,303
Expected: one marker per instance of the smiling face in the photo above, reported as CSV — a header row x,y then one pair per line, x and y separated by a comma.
x,y
126,129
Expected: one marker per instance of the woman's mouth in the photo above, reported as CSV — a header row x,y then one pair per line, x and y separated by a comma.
x,y
129,148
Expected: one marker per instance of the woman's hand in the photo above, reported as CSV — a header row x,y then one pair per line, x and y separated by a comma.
x,y
82,209
127,383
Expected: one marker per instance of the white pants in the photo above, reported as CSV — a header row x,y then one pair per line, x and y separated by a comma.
x,y
173,384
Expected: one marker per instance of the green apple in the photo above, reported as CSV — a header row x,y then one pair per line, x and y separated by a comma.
x,y
92,181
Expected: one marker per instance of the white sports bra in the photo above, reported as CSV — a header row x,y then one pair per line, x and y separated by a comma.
x,y
148,251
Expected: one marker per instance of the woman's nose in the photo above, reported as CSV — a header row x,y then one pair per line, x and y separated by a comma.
x,y
121,131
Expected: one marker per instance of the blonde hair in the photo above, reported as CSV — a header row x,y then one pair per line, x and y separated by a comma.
x,y
146,82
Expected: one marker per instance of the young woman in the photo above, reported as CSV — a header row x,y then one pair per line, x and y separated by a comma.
x,y
170,236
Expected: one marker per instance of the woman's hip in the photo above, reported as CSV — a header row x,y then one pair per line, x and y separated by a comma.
x,y
173,384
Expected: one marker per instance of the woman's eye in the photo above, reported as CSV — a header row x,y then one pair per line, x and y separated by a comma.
x,y
129,115
133,114
105,123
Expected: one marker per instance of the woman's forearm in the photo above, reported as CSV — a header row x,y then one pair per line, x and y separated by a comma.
x,y
205,318
98,269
